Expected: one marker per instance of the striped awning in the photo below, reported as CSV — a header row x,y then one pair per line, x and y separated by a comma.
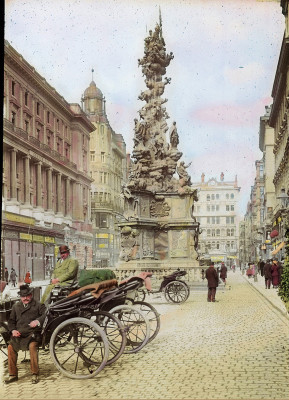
x,y
278,248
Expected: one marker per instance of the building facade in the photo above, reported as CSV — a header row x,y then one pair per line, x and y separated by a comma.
x,y
217,210
46,182
108,171
279,122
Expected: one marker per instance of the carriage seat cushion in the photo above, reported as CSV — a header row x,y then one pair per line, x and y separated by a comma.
x,y
96,289
89,276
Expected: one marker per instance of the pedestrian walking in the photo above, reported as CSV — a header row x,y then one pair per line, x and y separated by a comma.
x,y
6,275
26,318
275,273
267,274
13,277
223,273
249,272
261,267
213,282
65,272
27,278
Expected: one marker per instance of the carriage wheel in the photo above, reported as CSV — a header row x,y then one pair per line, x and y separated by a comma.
x,y
79,348
4,337
136,325
176,292
152,315
114,331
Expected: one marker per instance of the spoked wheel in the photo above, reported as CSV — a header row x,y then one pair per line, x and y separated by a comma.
x,y
152,315
4,337
114,331
79,348
136,325
176,292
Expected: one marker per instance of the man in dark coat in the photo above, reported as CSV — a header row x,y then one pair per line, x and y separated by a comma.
x,y
25,320
267,274
213,282
223,273
261,267
6,275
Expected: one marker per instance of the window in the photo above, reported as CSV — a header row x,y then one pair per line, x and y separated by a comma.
x,y
232,231
57,124
103,177
208,197
13,88
217,196
228,232
208,232
13,117
26,98
213,232
218,246
102,157
92,156
48,140
227,220
232,195
101,220
213,208
232,207
213,197
48,117
227,207
37,108
26,126
217,232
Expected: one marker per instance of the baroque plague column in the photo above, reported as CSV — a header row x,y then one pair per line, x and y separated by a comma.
x,y
160,232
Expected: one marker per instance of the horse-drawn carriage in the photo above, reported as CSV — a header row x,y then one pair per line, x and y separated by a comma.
x,y
93,326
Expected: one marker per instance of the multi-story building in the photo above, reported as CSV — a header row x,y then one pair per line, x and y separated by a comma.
x,y
279,121
268,200
217,210
46,182
108,171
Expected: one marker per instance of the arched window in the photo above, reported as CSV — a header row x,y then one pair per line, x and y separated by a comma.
x,y
227,195
208,197
232,195
218,232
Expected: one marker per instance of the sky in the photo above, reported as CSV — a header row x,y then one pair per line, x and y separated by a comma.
x,y
225,58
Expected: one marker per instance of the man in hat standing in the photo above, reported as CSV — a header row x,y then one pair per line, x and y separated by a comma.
x,y
65,272
26,318
213,282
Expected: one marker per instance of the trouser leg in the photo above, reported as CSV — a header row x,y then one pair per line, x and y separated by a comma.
x,y
33,349
213,291
269,283
209,294
12,361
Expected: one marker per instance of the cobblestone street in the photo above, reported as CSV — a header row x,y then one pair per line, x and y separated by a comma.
x,y
236,348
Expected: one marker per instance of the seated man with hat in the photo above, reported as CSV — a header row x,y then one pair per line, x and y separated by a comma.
x,y
65,272
25,320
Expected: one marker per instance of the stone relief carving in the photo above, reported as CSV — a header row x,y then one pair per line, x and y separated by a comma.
x,y
129,243
159,208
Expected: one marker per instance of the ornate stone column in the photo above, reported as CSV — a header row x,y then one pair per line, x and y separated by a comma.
x,y
49,188
68,194
39,185
27,179
13,175
58,194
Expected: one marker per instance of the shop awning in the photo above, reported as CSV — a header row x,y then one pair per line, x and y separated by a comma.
x,y
278,248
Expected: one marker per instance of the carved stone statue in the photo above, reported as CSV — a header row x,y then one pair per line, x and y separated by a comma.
x,y
174,137
183,174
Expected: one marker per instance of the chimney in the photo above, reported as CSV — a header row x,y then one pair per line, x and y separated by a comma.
x,y
222,176
203,177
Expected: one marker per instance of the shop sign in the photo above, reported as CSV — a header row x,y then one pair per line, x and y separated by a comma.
x,y
38,238
49,239
25,236
217,258
19,218
232,257
101,235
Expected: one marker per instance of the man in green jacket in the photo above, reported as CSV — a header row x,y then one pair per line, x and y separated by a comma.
x,y
65,272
